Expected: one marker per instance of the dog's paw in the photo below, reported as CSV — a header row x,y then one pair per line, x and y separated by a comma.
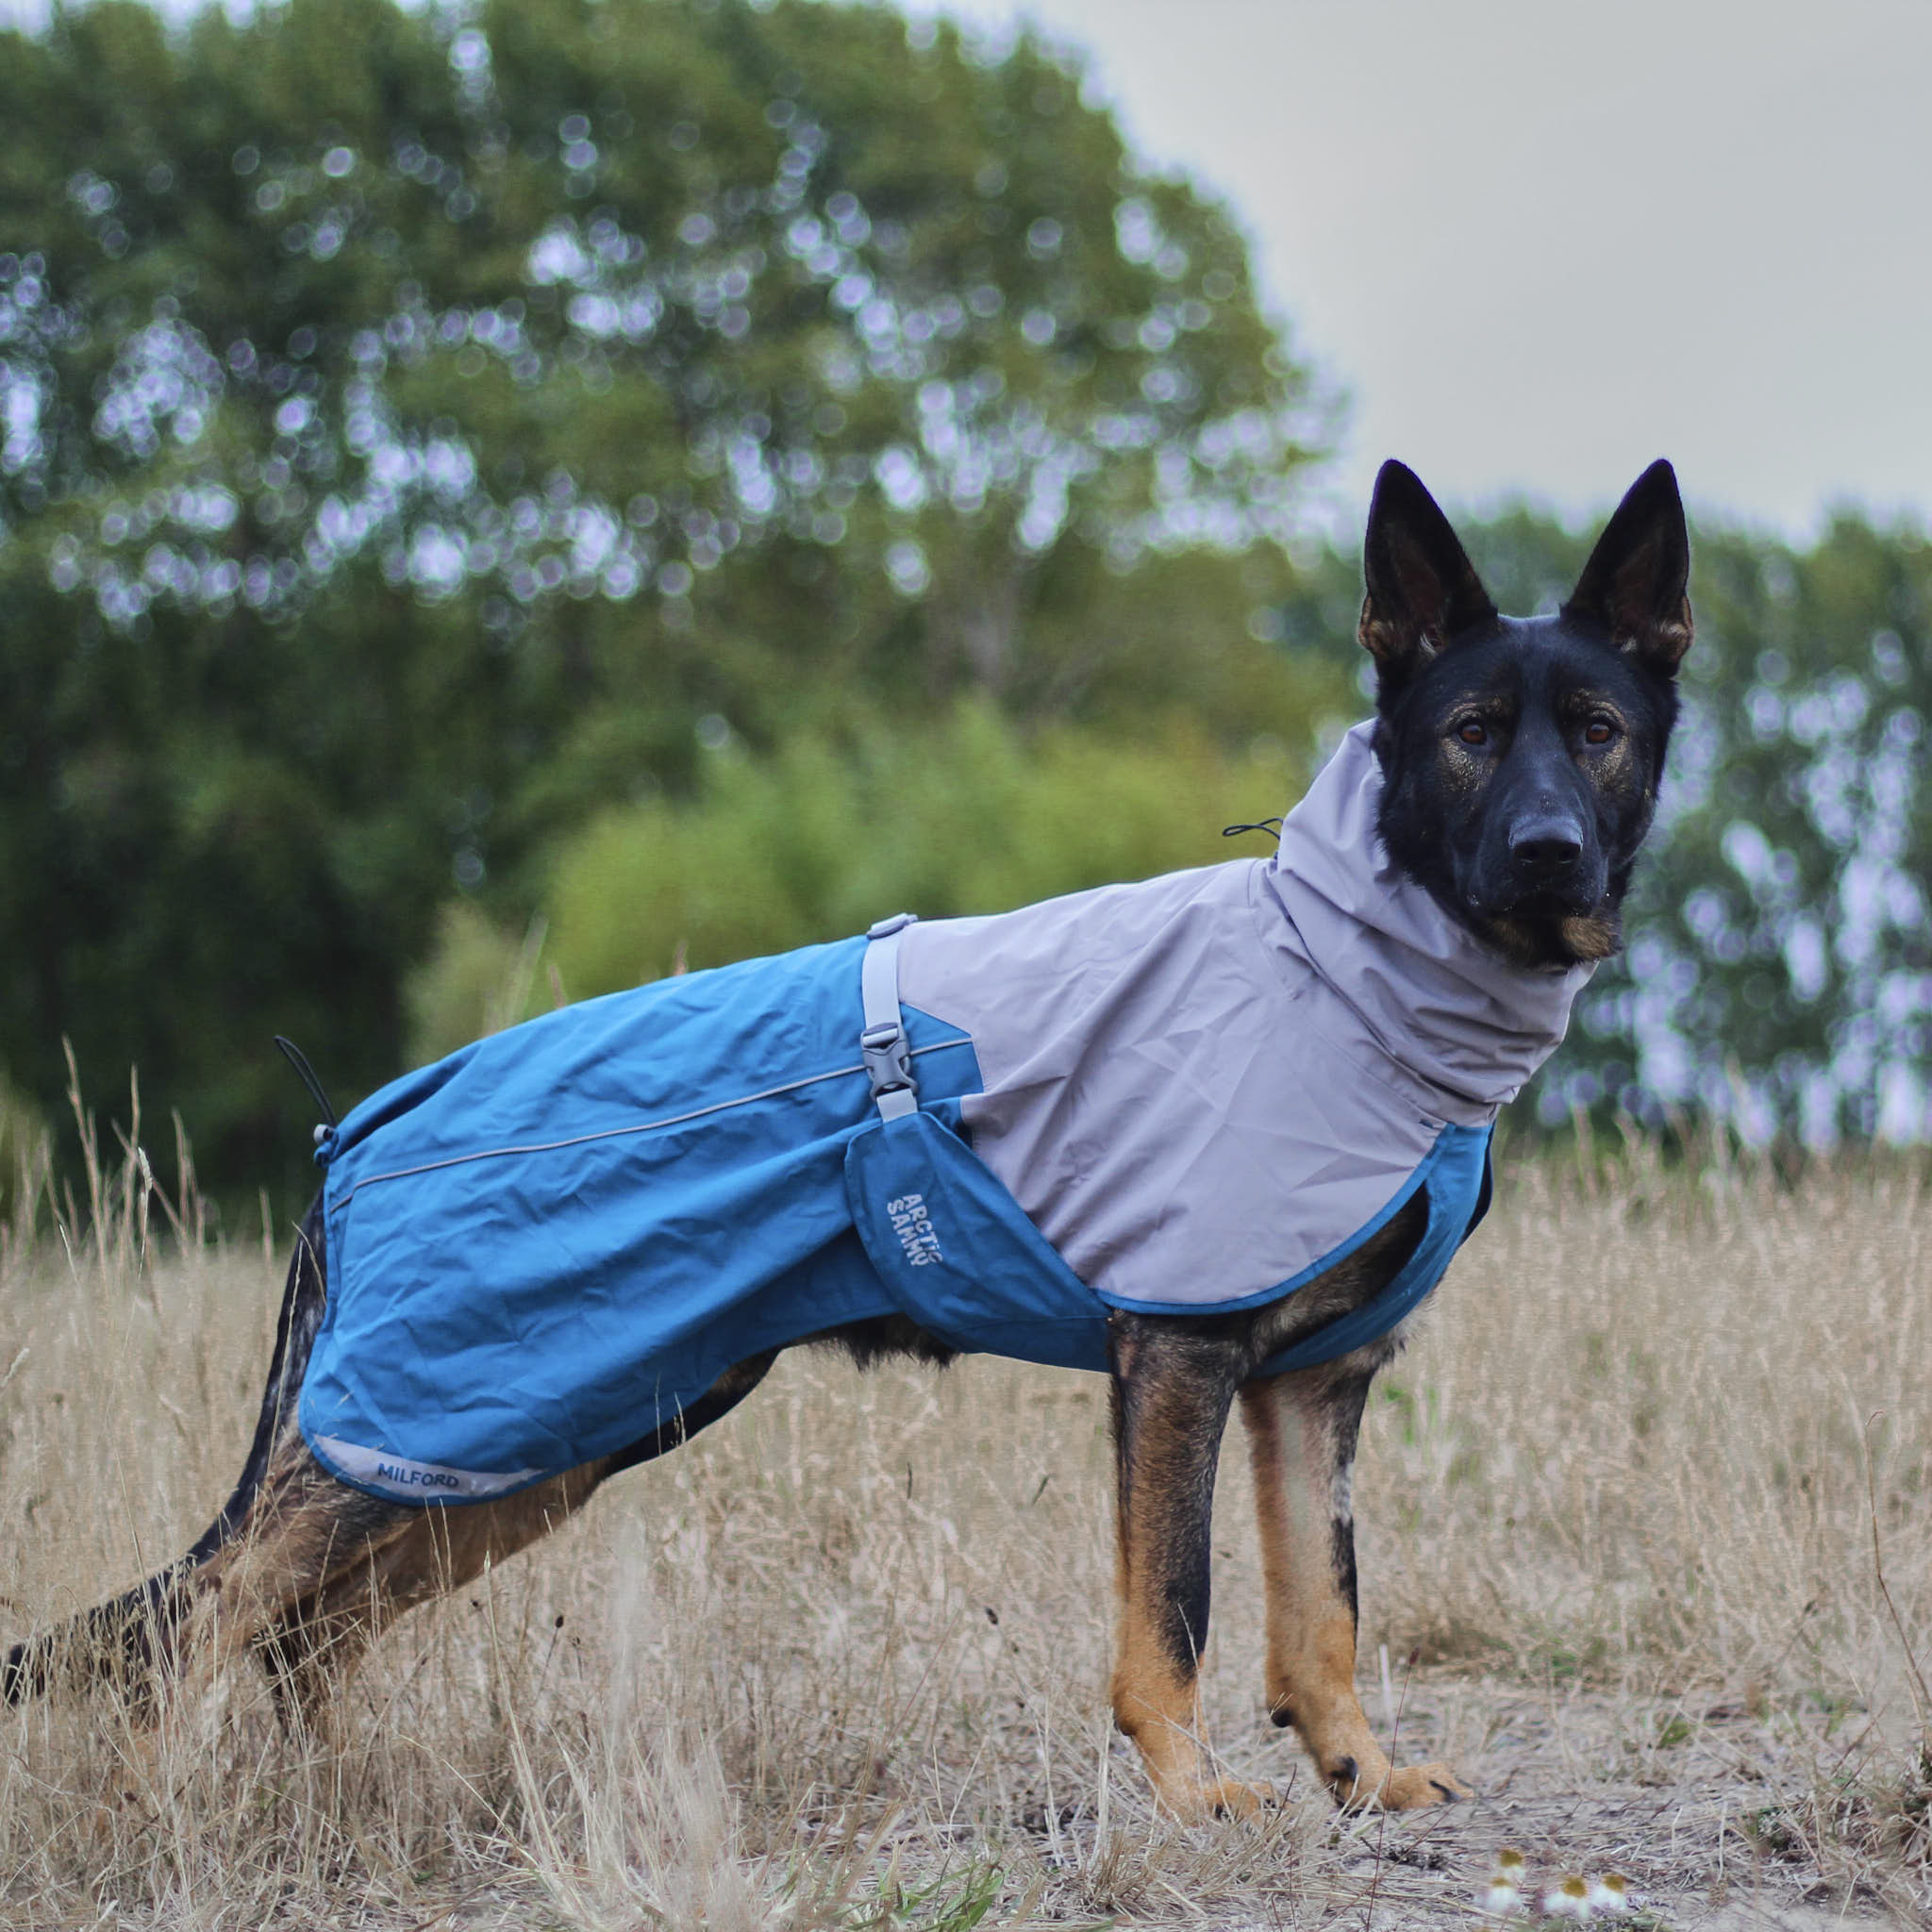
x,y
1413,1788
1232,1797
1220,1798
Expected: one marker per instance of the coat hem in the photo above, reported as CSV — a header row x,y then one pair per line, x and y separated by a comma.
x,y
1334,1258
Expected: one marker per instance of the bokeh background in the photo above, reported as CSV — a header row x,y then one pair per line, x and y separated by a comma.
x,y
501,502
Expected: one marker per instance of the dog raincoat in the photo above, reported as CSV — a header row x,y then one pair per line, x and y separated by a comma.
x,y
1193,1094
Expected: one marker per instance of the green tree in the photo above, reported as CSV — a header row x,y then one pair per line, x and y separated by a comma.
x,y
959,815
416,426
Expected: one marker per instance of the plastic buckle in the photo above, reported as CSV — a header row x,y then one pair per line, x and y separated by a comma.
x,y
885,928
888,1064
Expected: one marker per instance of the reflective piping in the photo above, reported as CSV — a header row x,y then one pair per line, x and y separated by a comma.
x,y
675,1120
413,1482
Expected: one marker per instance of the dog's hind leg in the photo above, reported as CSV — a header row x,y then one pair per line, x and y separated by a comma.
x,y
305,1534
133,1640
1302,1431
313,1644
1172,1392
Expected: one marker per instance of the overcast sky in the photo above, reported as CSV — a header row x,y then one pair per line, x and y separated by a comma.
x,y
1541,242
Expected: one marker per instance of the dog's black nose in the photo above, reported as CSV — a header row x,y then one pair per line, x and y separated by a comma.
x,y
1546,847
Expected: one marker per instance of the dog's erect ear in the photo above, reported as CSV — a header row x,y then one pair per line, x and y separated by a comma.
x,y
1422,588
1634,583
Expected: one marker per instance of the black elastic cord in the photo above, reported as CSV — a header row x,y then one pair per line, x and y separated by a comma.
x,y
1272,826
317,1092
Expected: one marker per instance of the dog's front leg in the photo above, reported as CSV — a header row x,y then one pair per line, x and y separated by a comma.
x,y
1172,1392
1302,1431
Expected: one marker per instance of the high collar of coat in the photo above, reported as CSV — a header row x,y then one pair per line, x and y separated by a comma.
x,y
1438,1001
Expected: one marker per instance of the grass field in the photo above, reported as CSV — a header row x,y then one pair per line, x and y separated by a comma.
x,y
1646,1540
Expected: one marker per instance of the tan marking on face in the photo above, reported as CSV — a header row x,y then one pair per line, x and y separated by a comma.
x,y
1603,765
1592,935
1581,703
1512,939
1467,767
1389,642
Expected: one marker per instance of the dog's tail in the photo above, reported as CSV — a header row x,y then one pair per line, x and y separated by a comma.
x,y
125,1638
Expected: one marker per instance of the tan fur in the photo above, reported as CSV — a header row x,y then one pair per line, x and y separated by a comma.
x,y
1591,936
300,1538
1345,1287
1160,1709
1588,935
1312,1624
1301,1432
321,1570
1156,1688
318,1570
1388,641
316,1643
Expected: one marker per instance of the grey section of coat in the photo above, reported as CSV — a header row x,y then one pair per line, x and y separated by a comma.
x,y
1200,1086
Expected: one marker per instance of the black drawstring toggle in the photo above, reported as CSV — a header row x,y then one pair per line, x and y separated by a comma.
x,y
326,1132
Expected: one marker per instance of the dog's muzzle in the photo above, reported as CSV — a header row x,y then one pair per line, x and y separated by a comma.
x,y
1549,864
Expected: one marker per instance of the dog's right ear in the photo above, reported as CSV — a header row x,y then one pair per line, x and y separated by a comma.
x,y
1423,589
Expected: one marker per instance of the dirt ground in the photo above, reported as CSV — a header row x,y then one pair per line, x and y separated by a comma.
x,y
1685,1804
1645,1528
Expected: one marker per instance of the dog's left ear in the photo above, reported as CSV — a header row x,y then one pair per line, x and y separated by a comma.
x,y
1421,587
1634,582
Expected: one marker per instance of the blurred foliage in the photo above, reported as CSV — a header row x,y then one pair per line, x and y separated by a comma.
x,y
421,429
490,496
965,815
1779,971
23,1158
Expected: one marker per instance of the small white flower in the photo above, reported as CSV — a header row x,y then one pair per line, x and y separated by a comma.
x,y
1610,1895
1499,1899
1503,1895
1569,1900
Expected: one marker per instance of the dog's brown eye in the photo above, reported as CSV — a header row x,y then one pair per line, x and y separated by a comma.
x,y
1472,733
1599,731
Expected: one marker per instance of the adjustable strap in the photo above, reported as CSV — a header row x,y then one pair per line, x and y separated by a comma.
x,y
887,1062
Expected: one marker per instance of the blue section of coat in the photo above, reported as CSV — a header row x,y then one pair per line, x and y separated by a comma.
x,y
1456,1176
958,1253
962,1257
549,1243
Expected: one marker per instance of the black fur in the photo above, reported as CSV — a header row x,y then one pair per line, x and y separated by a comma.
x,y
1523,755
1172,1396
1347,1396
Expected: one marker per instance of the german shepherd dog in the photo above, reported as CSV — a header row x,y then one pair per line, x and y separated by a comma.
x,y
1521,758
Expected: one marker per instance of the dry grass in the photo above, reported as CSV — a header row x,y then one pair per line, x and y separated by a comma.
x,y
841,1663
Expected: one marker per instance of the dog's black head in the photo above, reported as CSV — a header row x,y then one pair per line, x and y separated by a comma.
x,y
1521,755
